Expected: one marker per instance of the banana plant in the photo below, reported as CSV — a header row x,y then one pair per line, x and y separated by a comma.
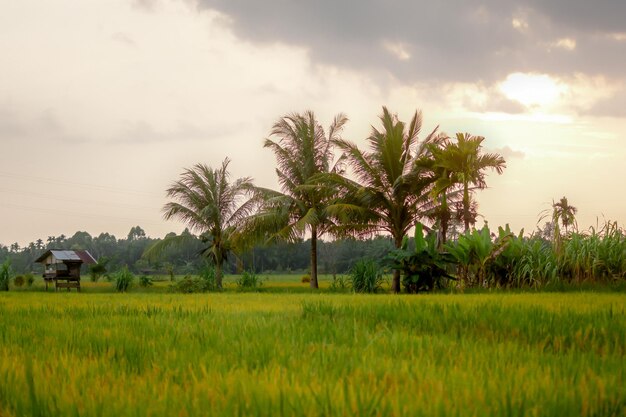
x,y
423,269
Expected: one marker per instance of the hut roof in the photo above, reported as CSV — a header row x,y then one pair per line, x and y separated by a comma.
x,y
68,255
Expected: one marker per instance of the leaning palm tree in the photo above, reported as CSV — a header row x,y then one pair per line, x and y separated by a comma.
x,y
303,152
210,204
465,164
391,190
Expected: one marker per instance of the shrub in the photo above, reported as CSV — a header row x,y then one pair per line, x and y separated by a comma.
x,y
19,280
339,283
305,278
30,279
248,281
98,269
145,281
208,275
189,285
123,280
5,275
366,276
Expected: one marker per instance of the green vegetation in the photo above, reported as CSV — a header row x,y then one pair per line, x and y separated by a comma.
x,y
123,280
291,354
366,277
5,275
303,152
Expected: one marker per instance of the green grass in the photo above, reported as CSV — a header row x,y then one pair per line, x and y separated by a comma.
x,y
158,354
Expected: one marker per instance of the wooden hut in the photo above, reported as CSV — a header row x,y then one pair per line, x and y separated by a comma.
x,y
63,267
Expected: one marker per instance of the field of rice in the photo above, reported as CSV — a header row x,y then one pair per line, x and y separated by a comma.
x,y
275,354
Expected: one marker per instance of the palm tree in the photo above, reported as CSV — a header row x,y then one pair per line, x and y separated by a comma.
x,y
209,204
303,152
465,164
391,191
564,212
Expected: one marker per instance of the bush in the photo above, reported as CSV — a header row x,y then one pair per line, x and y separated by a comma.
x,y
189,285
19,280
5,275
30,279
305,278
145,281
98,269
339,283
248,281
208,275
366,276
123,280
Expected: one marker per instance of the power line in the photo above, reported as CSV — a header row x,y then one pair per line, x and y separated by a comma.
x,y
77,184
75,214
72,200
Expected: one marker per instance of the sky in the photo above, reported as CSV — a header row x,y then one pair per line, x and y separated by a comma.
x,y
103,103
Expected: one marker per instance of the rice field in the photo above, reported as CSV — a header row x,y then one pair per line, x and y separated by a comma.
x,y
279,354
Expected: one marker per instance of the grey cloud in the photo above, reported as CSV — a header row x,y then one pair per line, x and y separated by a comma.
x,y
147,5
455,40
43,126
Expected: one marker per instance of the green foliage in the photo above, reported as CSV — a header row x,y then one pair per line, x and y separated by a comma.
x,y
145,281
424,269
30,279
5,275
207,273
474,251
19,280
339,283
98,269
366,276
123,280
248,281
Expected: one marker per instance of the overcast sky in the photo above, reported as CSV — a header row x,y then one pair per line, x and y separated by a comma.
x,y
104,102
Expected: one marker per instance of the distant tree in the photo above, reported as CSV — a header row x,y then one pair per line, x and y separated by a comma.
x,y
564,213
464,163
136,233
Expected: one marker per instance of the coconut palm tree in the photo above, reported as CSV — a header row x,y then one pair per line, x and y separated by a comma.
x,y
391,190
303,151
464,163
564,212
210,204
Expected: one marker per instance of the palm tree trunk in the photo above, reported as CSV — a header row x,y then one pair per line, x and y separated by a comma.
x,y
445,218
466,207
395,283
314,283
218,273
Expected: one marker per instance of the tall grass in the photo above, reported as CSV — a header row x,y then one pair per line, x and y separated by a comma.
x,y
518,261
334,355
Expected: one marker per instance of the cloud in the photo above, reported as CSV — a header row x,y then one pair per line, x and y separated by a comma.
x,y
614,106
508,153
133,132
463,41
